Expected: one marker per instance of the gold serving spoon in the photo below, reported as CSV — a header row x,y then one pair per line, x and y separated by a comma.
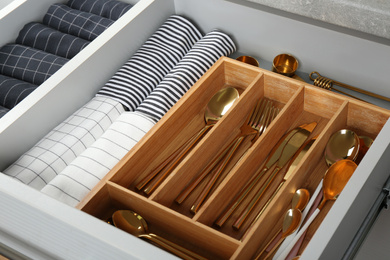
x,y
136,225
216,108
343,144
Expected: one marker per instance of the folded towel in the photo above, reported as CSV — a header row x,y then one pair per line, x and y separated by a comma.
x,y
150,64
110,9
64,143
194,64
79,177
28,64
81,24
12,91
47,39
3,111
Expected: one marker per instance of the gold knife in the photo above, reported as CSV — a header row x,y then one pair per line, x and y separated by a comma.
x,y
291,167
292,146
271,160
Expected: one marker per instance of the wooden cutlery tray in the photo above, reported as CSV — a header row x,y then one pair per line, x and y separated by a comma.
x,y
300,103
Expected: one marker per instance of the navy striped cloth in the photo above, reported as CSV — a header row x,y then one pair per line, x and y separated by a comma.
x,y
28,64
44,38
194,64
78,23
138,77
3,111
110,9
12,91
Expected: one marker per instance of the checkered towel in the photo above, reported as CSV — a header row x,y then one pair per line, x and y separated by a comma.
x,y
47,39
12,91
79,177
81,24
110,9
64,143
28,64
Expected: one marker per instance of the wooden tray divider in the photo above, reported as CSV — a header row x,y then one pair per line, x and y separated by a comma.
x,y
253,159
307,175
173,226
180,123
219,136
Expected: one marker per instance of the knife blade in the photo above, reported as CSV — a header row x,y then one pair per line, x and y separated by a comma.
x,y
273,157
292,146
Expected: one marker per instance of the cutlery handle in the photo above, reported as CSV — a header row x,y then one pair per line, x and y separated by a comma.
x,y
244,193
187,191
264,207
301,232
202,196
171,247
276,237
240,220
274,248
152,184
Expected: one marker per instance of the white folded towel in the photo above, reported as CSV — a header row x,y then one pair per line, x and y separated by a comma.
x,y
63,144
78,178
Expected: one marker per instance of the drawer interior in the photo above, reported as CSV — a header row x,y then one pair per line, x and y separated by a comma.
x,y
299,104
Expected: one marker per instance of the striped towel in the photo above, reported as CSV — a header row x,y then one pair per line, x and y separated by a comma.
x,y
12,91
3,111
28,64
81,24
47,39
151,63
194,64
79,177
110,9
64,143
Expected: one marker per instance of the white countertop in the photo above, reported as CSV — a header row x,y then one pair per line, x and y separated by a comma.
x,y
367,16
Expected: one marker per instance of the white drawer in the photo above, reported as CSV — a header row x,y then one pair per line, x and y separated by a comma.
x,y
40,227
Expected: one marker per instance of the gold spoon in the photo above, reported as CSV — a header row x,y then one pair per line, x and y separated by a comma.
x,y
343,144
335,179
299,201
136,225
291,221
218,105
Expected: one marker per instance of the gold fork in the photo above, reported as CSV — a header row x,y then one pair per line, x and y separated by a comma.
x,y
259,119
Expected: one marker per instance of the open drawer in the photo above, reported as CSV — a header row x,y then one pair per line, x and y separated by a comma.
x,y
300,104
88,236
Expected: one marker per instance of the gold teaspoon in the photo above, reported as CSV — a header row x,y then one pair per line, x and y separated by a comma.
x,y
136,225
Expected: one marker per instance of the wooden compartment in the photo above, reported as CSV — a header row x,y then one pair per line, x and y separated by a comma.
x,y
300,104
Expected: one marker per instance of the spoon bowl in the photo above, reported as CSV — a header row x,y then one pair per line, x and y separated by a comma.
x,y
219,104
300,199
335,179
291,222
344,144
136,225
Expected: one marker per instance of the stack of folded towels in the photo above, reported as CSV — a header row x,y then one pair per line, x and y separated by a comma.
x,y
70,160
43,48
